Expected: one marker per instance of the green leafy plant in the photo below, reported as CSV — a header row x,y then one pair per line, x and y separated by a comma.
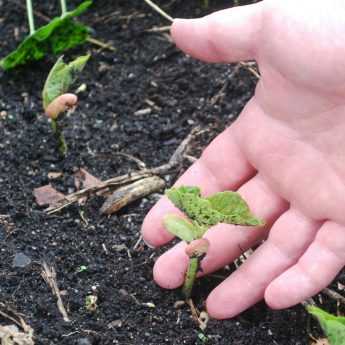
x,y
333,326
203,213
56,100
60,34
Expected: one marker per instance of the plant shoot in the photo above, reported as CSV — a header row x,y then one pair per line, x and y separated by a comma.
x,y
202,213
56,100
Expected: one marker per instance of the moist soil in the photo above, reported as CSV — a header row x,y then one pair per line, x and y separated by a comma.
x,y
94,254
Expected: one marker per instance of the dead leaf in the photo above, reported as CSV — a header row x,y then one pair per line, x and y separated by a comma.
x,y
47,195
83,179
10,335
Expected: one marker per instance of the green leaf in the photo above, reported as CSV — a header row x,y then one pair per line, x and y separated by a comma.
x,y
179,227
333,326
233,208
224,207
61,77
60,34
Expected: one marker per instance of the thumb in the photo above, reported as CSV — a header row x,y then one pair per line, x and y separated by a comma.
x,y
225,36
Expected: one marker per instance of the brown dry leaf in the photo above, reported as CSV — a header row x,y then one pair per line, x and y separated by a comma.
x,y
47,195
10,335
83,179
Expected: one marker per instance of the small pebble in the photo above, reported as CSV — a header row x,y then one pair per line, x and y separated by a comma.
x,y
115,324
21,260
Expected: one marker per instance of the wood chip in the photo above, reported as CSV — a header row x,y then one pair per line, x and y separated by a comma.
x,y
129,193
54,175
47,195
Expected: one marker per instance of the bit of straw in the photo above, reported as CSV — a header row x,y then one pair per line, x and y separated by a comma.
x,y
159,10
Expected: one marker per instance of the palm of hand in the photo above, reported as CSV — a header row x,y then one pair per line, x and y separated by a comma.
x,y
285,154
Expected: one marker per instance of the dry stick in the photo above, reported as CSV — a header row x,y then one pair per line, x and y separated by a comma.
x,y
159,10
129,193
119,181
49,275
250,69
334,295
159,29
101,44
21,323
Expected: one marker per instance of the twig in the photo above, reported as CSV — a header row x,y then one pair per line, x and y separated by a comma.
x,y
101,188
159,29
119,181
49,275
136,160
129,193
250,69
101,44
334,295
159,10
138,243
19,321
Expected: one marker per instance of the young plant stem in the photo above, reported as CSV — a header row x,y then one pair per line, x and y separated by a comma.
x,y
63,7
30,15
59,137
193,267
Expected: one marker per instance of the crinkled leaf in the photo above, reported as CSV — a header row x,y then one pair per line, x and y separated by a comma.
x,y
224,207
333,326
179,227
60,34
233,208
61,77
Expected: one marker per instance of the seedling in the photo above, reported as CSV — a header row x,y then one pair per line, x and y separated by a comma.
x,y
203,213
91,303
56,100
333,326
81,269
60,34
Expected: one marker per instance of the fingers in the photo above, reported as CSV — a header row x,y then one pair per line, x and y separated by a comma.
x,y
225,36
291,234
226,242
318,266
222,166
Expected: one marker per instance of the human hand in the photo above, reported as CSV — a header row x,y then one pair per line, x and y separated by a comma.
x,y
285,154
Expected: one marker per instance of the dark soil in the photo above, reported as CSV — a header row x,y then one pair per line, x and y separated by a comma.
x,y
146,66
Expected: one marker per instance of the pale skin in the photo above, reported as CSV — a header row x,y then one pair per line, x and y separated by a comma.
x,y
285,154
